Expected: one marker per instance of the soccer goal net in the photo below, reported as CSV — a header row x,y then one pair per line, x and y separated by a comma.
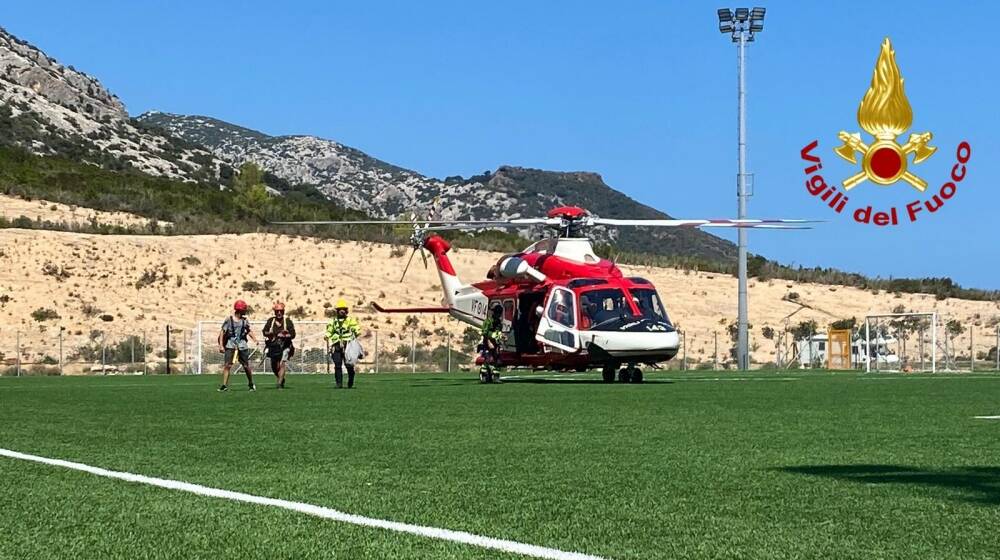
x,y
311,348
897,342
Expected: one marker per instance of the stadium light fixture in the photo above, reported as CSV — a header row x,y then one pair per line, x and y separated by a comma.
x,y
742,24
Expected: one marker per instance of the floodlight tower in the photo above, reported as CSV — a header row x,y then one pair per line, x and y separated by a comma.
x,y
741,24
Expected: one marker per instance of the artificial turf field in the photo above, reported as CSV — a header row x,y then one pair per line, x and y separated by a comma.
x,y
717,465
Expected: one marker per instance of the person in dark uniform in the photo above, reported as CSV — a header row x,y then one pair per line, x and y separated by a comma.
x,y
279,334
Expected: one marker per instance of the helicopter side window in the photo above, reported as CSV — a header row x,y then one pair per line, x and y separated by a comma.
x,y
561,309
508,314
649,304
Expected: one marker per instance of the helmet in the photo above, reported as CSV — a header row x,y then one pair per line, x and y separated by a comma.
x,y
240,305
279,306
341,304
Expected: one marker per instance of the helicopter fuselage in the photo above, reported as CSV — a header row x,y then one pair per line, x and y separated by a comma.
x,y
563,307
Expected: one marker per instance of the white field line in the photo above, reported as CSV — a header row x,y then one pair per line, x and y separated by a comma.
x,y
317,511
680,379
987,417
939,377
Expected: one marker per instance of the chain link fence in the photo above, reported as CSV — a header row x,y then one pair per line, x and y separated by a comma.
x,y
194,350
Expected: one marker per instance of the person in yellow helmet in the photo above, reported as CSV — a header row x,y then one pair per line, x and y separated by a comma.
x,y
340,332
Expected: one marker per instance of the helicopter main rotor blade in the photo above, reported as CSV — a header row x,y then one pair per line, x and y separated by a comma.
x,y
482,223
742,223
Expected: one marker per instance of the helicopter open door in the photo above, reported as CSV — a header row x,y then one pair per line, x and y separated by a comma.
x,y
557,325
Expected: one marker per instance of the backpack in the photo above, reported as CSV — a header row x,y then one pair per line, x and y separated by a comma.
x,y
230,332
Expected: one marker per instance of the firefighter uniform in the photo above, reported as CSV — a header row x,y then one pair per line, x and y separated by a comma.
x,y
340,332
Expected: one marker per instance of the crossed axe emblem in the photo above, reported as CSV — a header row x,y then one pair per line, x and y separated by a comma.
x,y
884,162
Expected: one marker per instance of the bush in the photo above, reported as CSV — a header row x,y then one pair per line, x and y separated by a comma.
x,y
191,260
44,314
55,271
89,310
152,276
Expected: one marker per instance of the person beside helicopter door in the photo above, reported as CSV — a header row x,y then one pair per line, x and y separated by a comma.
x,y
489,348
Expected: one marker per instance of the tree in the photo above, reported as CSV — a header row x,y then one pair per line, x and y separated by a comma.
x,y
804,329
734,333
250,175
842,324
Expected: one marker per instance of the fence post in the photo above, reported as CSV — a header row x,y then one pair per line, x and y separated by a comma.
x,y
18,349
144,368
184,367
715,367
104,354
326,354
921,340
998,348
376,351
199,342
166,352
684,349
413,352
61,329
972,349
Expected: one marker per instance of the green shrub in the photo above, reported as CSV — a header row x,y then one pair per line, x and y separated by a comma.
x,y
44,314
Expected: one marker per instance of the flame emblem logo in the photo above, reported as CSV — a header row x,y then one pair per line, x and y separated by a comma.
x,y
885,113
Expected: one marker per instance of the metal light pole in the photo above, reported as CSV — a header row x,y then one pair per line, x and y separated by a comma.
x,y
741,24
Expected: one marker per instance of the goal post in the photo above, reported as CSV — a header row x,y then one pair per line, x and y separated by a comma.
x,y
311,348
882,344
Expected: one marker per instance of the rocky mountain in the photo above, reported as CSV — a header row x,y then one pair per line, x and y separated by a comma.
x,y
52,109
361,182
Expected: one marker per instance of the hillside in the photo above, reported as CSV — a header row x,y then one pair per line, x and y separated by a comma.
x,y
52,109
377,188
142,283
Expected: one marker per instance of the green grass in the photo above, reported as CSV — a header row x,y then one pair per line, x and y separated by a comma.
x,y
777,465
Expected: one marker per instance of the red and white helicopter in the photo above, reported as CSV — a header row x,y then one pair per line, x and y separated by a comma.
x,y
564,307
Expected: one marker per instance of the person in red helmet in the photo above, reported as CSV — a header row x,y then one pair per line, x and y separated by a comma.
x,y
279,332
233,344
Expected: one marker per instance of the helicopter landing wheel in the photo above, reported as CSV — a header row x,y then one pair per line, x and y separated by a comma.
x,y
608,373
625,375
636,375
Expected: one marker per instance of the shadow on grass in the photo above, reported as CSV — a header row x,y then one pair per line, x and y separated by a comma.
x,y
979,485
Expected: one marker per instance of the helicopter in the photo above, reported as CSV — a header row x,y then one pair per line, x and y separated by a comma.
x,y
564,308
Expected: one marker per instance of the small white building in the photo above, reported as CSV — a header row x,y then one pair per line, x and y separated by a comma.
x,y
812,351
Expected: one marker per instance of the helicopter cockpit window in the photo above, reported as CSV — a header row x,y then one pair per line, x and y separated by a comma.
x,y
561,309
649,304
599,306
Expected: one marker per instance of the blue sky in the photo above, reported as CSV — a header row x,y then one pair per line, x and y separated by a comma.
x,y
643,93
